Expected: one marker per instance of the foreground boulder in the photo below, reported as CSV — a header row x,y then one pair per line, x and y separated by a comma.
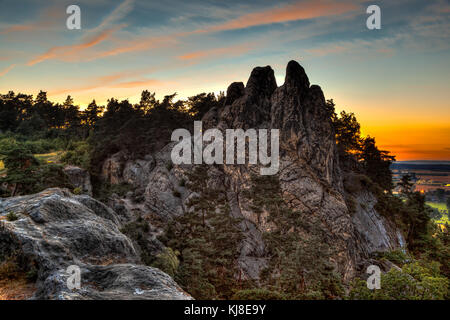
x,y
47,232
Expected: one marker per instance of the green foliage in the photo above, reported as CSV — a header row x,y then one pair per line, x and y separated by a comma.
x,y
258,294
167,261
200,104
406,185
358,153
106,190
207,238
299,265
78,154
399,257
416,281
11,216
138,231
22,169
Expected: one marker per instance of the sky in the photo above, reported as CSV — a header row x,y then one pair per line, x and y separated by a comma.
x,y
396,79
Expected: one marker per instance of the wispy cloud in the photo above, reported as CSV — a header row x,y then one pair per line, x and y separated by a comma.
x,y
137,84
216,52
123,79
46,19
8,69
299,10
67,53
284,13
115,16
91,38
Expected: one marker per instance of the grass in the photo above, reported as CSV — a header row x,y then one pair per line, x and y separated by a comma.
x,y
438,205
52,157
443,220
16,289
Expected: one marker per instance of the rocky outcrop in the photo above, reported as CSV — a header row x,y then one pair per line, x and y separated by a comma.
x,y
79,178
310,175
120,168
55,229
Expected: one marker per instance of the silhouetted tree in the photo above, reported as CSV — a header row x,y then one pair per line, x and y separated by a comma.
x,y
406,185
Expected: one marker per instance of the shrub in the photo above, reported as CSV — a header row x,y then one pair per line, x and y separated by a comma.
x,y
258,294
167,261
416,281
12,216
396,256
138,231
78,154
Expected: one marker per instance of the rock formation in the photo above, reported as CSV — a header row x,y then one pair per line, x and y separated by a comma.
x,y
310,175
55,229
79,178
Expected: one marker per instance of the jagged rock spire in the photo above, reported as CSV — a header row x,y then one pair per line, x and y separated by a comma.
x,y
234,91
296,76
261,82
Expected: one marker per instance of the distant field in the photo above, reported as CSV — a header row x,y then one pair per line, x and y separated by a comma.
x,y
443,219
440,206
52,157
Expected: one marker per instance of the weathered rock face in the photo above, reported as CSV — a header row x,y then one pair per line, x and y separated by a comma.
x,y
376,233
79,178
310,175
56,229
119,168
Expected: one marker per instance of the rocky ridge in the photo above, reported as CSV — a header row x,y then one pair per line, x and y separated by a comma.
x,y
310,175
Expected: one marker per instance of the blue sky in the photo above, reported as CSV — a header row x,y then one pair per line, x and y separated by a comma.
x,y
395,79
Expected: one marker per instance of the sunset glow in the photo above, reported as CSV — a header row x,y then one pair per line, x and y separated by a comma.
x,y
396,80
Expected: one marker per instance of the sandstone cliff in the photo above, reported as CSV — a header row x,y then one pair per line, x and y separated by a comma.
x,y
310,175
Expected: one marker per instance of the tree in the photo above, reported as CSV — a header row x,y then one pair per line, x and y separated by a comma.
x,y
440,194
21,168
347,130
299,264
376,163
148,101
406,185
93,113
207,237
200,104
